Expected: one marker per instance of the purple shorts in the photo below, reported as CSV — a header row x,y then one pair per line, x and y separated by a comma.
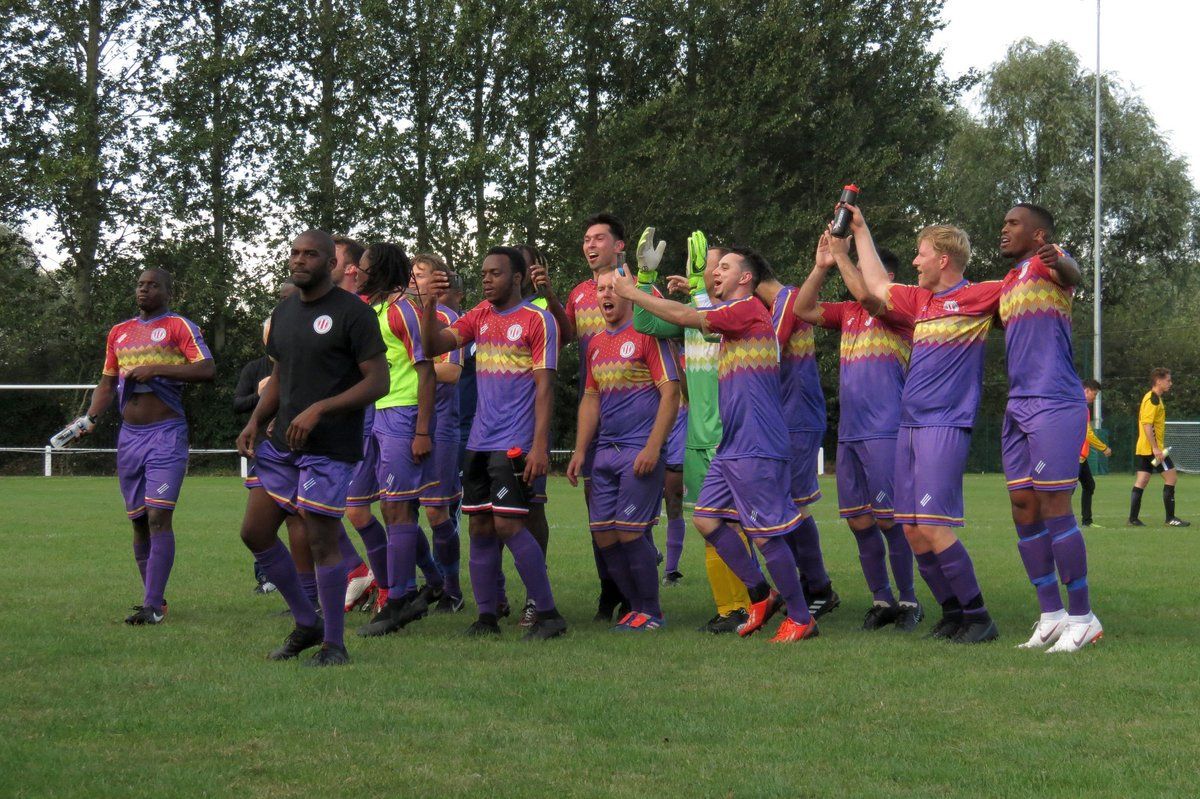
x,y
864,477
620,500
151,462
747,491
364,483
1040,443
928,475
400,479
448,486
677,441
806,445
296,481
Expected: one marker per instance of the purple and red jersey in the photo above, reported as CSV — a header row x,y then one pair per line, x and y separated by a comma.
x,y
872,361
509,347
625,368
950,328
446,395
803,399
748,381
166,340
583,309
1036,313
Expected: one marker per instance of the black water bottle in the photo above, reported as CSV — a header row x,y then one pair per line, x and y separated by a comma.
x,y
516,460
841,219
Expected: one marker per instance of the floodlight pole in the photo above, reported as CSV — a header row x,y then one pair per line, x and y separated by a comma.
x,y
1096,310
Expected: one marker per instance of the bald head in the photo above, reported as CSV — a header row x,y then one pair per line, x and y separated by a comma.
x,y
312,260
321,241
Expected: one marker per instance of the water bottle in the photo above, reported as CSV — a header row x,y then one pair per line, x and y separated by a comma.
x,y
77,428
1166,454
841,219
516,461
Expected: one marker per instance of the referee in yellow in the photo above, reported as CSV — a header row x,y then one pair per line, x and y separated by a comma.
x,y
1152,424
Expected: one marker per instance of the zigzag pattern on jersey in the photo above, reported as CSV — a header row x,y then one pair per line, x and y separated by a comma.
x,y
702,356
621,375
1036,296
588,322
952,330
800,345
749,355
503,358
130,356
874,343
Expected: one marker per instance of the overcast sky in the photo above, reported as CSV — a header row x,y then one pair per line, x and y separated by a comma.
x,y
1149,44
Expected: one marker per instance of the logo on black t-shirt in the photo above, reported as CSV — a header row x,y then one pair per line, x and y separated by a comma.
x,y
322,324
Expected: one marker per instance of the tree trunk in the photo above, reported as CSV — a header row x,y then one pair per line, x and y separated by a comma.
x,y
533,145
217,158
326,64
423,118
479,148
90,201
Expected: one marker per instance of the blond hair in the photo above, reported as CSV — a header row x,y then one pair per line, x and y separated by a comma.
x,y
435,262
949,241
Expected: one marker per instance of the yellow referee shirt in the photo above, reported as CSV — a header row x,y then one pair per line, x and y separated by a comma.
x,y
1154,412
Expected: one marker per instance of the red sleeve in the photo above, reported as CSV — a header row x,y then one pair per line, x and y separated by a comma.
x,y
112,367
659,359
401,319
466,327
188,339
832,314
983,298
542,337
733,320
590,384
905,301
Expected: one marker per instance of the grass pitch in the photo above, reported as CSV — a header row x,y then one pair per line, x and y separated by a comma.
x,y
92,707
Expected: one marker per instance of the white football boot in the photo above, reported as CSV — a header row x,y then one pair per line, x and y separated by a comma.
x,y
1078,633
1046,631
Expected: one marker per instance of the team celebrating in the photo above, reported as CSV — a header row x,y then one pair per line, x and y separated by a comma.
x,y
379,389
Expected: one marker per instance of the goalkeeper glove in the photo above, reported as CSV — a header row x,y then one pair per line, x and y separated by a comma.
x,y
697,254
649,257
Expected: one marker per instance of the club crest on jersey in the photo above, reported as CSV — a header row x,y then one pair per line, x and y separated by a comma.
x,y
514,332
627,349
158,334
1024,271
322,324
951,306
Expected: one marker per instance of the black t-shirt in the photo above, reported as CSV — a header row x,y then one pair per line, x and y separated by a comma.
x,y
318,347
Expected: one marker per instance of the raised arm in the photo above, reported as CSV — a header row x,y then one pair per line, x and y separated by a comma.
x,y
1062,266
436,338
668,310
539,276
807,306
873,292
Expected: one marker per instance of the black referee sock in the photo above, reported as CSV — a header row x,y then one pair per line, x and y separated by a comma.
x,y
1135,503
1169,501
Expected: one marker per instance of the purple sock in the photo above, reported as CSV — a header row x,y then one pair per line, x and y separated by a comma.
x,y
486,573
806,548
956,565
872,555
446,549
331,585
280,569
308,584
530,561
1070,555
642,558
733,551
931,573
617,563
374,538
782,566
676,530
402,557
350,558
900,555
158,567
429,569
1033,542
141,554
601,566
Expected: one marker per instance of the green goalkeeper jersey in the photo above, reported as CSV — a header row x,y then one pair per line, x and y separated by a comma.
x,y
700,370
